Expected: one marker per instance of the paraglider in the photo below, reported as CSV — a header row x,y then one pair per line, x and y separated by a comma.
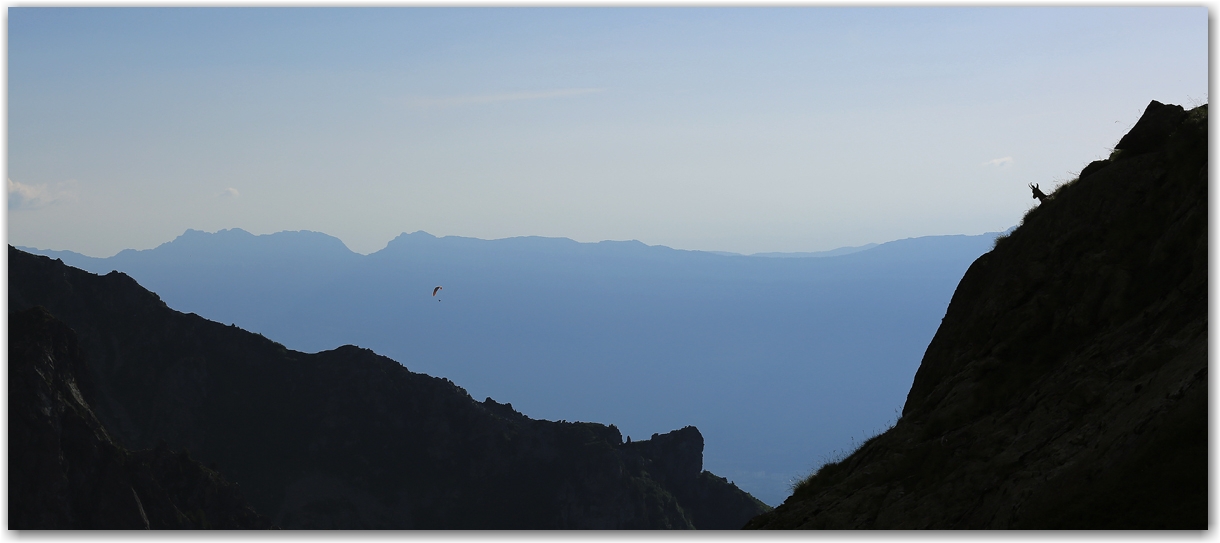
x,y
434,291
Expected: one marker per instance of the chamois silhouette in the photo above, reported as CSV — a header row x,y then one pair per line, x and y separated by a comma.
x,y
1038,193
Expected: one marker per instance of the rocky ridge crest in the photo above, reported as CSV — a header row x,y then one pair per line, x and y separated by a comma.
x,y
346,438
1067,384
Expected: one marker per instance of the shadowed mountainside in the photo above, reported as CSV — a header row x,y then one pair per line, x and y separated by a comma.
x,y
649,337
347,438
66,473
1067,384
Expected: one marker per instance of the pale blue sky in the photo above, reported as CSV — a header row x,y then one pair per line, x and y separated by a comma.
x,y
747,130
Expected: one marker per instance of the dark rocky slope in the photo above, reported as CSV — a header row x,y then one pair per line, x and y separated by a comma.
x,y
349,439
66,472
1067,384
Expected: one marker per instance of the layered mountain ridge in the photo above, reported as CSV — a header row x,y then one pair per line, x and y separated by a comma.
x,y
649,337
346,438
1067,384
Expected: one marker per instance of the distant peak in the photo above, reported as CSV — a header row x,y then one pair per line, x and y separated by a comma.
x,y
292,241
416,235
192,233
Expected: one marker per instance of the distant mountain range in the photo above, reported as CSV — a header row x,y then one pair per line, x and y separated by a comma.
x,y
815,254
651,338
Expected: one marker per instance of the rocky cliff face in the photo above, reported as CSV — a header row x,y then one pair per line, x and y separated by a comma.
x,y
346,438
65,471
1067,384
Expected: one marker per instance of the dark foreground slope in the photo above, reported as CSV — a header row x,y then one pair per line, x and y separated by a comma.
x,y
795,335
1067,384
345,438
66,472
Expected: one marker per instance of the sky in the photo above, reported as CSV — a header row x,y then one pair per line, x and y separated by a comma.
x,y
727,129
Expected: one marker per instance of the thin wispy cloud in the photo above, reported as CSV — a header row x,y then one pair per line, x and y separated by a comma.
x,y
229,194
23,196
1005,161
441,102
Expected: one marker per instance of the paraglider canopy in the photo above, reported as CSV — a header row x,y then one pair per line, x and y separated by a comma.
x,y
435,290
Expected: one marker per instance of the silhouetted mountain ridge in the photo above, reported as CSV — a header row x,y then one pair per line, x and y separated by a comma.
x,y
1067,385
65,472
650,337
346,438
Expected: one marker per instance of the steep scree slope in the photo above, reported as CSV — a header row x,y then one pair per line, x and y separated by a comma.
x,y
349,439
1067,384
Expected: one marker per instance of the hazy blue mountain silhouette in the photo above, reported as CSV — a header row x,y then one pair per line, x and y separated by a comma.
x,y
652,338
832,252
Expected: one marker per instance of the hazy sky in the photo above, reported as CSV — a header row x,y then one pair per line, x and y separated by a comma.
x,y
746,130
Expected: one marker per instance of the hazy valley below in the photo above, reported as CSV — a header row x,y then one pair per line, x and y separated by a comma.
x,y
1065,385
779,362
860,268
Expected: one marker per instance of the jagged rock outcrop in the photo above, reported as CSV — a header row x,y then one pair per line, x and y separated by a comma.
x,y
66,473
1067,384
676,460
349,439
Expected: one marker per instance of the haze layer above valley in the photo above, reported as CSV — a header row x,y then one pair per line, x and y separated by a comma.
x,y
647,337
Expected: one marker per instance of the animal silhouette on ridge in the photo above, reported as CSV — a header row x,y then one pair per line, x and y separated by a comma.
x,y
1038,193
